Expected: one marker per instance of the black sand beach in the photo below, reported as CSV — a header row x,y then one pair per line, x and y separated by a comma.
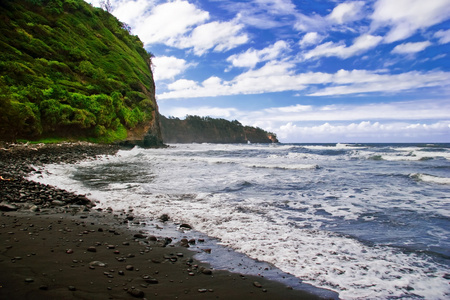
x,y
56,245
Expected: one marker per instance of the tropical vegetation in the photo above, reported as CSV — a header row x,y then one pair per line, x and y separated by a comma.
x,y
70,70
195,129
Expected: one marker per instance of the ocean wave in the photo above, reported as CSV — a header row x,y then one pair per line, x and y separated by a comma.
x,y
283,166
430,178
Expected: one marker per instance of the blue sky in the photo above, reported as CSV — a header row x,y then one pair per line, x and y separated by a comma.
x,y
310,71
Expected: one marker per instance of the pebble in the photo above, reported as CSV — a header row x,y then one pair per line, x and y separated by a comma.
x,y
92,249
137,293
29,280
129,268
257,284
187,226
207,271
72,288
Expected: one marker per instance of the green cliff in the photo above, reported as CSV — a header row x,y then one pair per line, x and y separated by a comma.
x,y
72,71
195,129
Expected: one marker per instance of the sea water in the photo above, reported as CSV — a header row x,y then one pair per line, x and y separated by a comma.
x,y
368,221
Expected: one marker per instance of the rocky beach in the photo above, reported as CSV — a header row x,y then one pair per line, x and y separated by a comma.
x,y
55,244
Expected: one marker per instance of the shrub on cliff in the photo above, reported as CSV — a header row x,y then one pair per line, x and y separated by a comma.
x,y
68,69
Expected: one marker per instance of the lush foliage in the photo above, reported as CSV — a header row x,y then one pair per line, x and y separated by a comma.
x,y
68,69
195,129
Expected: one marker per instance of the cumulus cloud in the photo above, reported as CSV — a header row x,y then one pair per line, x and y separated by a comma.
x,y
252,57
167,67
344,13
347,12
406,17
219,36
280,76
360,45
408,48
365,131
311,38
407,110
443,36
168,22
361,81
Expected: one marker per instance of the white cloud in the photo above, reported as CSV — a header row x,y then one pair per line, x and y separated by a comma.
x,y
361,81
360,45
405,17
311,38
365,131
347,12
276,7
252,57
316,23
220,36
443,36
344,13
130,11
408,48
407,110
183,85
168,22
280,76
167,67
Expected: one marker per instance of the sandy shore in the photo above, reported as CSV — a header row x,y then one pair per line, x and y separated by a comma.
x,y
55,245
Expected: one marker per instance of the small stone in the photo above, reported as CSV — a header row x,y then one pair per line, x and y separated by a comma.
x,y
121,273
29,280
139,236
8,207
129,268
69,251
207,271
43,287
110,247
92,249
257,284
202,290
72,288
136,293
97,263
186,226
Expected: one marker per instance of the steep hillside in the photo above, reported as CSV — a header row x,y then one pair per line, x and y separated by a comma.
x,y
195,129
69,70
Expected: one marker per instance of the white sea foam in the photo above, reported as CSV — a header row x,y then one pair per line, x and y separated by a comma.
x,y
262,207
430,178
282,166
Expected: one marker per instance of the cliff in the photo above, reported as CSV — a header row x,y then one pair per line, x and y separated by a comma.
x,y
72,71
196,129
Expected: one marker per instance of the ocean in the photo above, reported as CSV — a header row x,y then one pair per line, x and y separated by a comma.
x,y
367,221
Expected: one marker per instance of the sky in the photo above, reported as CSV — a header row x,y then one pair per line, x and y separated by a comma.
x,y
308,70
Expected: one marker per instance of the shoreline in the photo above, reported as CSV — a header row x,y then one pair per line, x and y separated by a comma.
x,y
54,243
